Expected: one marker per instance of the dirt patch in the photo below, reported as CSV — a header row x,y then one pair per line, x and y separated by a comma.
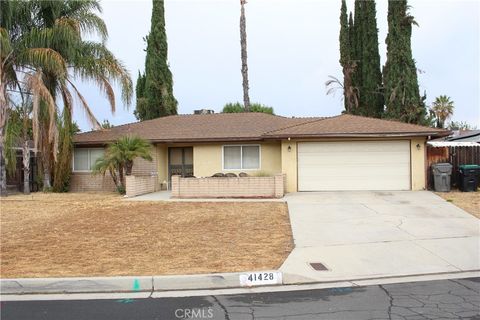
x,y
65,235
468,201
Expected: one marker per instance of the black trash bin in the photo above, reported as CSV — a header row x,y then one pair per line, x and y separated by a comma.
x,y
441,176
468,176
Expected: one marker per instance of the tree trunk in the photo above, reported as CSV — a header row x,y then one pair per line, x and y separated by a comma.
x,y
26,168
3,122
46,164
120,176
113,174
128,167
47,177
3,173
243,44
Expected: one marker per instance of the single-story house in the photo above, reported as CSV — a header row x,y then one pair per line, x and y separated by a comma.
x,y
344,152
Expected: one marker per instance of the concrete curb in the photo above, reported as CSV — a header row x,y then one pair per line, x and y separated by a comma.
x,y
121,284
75,285
183,283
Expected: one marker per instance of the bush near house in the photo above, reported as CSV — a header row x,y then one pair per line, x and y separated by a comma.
x,y
119,158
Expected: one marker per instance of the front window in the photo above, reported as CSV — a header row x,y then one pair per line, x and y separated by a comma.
x,y
84,158
241,157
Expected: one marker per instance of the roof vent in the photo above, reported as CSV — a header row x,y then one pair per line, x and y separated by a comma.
x,y
203,111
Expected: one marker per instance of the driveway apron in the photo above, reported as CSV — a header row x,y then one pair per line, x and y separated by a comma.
x,y
368,234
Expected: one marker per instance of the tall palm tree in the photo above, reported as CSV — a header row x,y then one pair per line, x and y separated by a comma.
x,y
243,44
86,60
442,108
24,55
82,60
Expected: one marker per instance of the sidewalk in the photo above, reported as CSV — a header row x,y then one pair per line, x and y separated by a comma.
x,y
165,196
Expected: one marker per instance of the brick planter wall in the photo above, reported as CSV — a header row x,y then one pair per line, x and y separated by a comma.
x,y
137,185
86,181
246,187
81,182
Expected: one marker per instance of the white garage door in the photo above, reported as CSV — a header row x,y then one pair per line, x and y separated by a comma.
x,y
355,165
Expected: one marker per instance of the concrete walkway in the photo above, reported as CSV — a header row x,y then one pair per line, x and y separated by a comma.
x,y
166,196
361,235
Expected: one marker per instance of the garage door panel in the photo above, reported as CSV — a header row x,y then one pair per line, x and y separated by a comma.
x,y
352,173
359,165
359,146
360,160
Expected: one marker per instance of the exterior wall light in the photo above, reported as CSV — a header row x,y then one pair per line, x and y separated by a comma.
x,y
418,146
289,148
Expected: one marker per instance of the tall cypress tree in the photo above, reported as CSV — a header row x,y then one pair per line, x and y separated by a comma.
x,y
141,104
158,84
371,99
344,37
345,54
351,33
357,50
402,96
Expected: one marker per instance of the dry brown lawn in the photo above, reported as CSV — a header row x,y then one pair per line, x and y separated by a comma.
x,y
468,201
66,235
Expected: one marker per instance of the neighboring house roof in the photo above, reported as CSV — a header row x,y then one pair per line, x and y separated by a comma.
x,y
465,135
253,126
441,144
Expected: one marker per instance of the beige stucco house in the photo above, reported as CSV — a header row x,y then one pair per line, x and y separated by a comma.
x,y
344,152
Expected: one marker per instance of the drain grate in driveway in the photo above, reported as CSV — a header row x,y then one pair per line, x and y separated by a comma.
x,y
318,266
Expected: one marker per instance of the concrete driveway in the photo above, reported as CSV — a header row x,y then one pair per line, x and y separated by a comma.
x,y
361,235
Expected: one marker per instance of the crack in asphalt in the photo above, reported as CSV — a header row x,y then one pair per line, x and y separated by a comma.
x,y
461,284
390,299
225,311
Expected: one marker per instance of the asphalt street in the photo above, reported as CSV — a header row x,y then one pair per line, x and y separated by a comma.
x,y
442,299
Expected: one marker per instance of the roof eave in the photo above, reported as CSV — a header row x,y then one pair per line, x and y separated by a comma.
x,y
179,140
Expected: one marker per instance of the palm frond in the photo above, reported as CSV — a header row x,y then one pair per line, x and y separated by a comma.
x,y
70,23
5,45
333,84
40,92
95,61
48,59
86,108
92,24
67,99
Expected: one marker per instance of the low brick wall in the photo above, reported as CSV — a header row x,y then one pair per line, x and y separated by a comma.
x,y
81,182
245,187
137,185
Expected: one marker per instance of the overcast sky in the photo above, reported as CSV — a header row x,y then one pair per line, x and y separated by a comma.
x,y
292,49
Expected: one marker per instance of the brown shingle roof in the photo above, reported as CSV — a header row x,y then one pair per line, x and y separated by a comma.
x,y
350,125
185,128
250,126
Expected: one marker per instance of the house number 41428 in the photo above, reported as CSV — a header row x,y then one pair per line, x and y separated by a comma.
x,y
260,278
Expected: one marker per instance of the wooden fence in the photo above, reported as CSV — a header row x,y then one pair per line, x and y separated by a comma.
x,y
455,155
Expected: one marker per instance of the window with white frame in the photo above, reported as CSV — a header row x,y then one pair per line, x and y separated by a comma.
x,y
245,157
84,158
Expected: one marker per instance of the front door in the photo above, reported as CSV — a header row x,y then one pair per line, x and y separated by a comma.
x,y
180,162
